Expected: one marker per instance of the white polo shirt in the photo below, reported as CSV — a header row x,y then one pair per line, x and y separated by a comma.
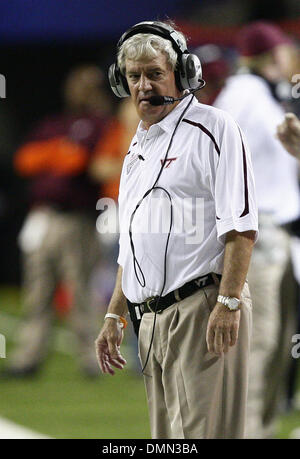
x,y
249,100
209,178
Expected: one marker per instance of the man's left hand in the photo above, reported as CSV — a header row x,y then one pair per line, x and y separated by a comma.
x,y
222,329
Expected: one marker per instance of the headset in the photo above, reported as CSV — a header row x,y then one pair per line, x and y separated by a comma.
x,y
188,70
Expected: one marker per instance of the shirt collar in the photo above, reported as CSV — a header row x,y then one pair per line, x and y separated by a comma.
x,y
167,124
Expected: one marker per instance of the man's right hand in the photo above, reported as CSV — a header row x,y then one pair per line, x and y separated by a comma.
x,y
108,347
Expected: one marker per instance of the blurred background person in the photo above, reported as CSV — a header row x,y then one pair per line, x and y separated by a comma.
x,y
215,69
288,132
111,148
58,240
255,98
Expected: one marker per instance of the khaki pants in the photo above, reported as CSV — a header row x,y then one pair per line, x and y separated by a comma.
x,y
68,252
192,393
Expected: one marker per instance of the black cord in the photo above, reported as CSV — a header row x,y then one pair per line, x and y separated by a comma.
x,y
165,277
135,261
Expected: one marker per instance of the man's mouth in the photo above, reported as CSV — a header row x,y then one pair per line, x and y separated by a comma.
x,y
145,99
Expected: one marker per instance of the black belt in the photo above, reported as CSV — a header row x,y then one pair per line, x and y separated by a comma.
x,y
136,310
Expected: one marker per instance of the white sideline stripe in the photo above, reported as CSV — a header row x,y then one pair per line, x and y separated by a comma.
x,y
9,430
295,434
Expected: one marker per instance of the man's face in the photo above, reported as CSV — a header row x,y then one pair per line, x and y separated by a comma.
x,y
148,78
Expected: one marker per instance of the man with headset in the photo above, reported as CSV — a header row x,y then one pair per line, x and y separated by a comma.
x,y
185,288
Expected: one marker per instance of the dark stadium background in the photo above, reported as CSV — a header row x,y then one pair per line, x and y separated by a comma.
x,y
40,41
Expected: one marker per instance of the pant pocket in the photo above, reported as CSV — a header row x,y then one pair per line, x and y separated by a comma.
x,y
210,294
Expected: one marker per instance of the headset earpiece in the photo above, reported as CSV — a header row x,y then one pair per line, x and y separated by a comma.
x,y
117,81
190,72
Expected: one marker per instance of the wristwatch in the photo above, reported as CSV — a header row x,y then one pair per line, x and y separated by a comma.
x,y
231,302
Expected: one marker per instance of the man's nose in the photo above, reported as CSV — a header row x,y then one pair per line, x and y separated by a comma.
x,y
144,83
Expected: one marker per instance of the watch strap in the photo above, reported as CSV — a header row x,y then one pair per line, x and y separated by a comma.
x,y
226,300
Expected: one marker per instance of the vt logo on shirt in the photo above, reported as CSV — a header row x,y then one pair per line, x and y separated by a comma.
x,y
167,162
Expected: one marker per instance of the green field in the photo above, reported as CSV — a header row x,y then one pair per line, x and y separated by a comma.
x,y
62,403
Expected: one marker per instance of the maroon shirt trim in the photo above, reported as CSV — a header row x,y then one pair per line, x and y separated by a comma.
x,y
206,131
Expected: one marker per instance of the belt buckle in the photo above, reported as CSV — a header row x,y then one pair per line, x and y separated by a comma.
x,y
149,301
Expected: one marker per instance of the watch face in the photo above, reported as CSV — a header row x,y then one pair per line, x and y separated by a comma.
x,y
233,303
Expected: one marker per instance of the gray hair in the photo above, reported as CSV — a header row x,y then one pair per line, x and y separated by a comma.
x,y
146,46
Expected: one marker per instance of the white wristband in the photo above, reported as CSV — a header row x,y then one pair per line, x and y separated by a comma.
x,y
109,315
121,320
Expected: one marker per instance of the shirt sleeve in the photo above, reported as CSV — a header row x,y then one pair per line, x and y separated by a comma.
x,y
234,187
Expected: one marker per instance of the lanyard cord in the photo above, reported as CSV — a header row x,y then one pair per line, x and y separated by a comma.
x,y
135,261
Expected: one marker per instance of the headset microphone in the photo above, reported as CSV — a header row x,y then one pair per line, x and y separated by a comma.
x,y
168,100
163,100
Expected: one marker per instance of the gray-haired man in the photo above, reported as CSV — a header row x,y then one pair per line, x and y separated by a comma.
x,y
191,296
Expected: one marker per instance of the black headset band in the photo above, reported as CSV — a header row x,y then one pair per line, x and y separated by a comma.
x,y
155,29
